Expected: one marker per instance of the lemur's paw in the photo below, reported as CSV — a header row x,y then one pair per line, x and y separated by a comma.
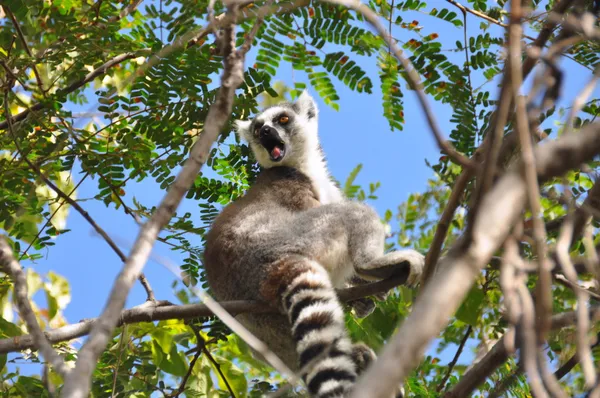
x,y
417,263
395,264
400,393
363,356
362,307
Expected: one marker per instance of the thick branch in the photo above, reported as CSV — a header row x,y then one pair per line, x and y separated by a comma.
x,y
78,383
149,312
440,299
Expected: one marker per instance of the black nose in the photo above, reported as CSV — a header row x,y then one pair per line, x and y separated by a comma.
x,y
267,131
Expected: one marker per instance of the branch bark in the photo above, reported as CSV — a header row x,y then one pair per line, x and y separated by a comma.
x,y
440,299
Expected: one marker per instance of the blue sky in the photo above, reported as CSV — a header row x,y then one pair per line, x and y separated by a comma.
x,y
358,133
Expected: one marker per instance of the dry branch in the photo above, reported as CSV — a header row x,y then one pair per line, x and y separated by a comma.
x,y
440,299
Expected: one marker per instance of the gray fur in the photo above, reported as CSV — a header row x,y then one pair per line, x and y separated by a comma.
x,y
293,238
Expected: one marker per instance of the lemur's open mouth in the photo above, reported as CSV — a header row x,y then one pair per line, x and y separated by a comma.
x,y
272,142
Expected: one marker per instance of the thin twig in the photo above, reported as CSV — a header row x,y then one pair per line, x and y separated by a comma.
x,y
79,83
15,23
86,216
116,371
452,363
49,220
201,345
413,79
218,369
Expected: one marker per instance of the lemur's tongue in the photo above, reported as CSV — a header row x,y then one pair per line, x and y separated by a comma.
x,y
276,152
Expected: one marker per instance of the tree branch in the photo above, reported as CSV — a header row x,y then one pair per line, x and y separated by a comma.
x,y
218,369
149,312
452,363
201,347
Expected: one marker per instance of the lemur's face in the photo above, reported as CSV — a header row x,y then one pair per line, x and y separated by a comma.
x,y
283,134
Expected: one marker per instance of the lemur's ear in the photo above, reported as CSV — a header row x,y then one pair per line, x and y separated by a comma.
x,y
307,105
242,128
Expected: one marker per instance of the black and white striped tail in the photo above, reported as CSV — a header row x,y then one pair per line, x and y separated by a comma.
x,y
317,319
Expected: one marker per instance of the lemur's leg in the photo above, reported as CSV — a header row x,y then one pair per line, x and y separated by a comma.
x,y
303,288
366,243
341,234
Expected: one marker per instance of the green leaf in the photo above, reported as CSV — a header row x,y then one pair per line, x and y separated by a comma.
x,y
164,339
58,293
235,376
174,363
3,359
9,329
470,309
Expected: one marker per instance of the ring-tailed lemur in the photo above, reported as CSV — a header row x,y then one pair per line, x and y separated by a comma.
x,y
293,238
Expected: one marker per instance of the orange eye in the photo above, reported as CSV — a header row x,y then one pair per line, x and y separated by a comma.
x,y
284,119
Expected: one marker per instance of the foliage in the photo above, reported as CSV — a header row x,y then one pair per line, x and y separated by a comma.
x,y
143,132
